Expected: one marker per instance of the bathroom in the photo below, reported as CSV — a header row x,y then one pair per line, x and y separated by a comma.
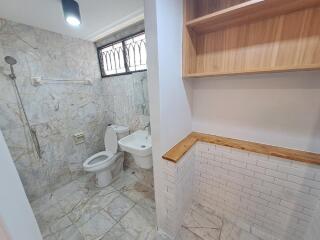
x,y
192,141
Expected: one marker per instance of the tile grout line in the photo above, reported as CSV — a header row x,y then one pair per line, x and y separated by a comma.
x,y
118,221
87,191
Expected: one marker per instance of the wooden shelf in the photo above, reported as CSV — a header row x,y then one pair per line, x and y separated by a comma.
x,y
247,12
255,36
253,71
175,153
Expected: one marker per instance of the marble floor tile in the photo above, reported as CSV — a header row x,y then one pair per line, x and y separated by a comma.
x,y
135,190
50,237
83,213
79,210
70,233
186,234
147,234
43,203
117,232
139,222
66,189
140,194
72,201
119,207
201,223
244,235
125,210
160,236
86,210
125,181
143,175
97,226
230,231
49,217
60,224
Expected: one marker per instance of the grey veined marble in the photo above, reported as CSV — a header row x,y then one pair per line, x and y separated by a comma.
x,y
201,223
80,211
58,111
55,111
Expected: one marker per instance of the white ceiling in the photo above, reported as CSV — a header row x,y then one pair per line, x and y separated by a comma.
x,y
99,17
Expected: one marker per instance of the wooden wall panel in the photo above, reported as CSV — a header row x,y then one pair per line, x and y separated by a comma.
x,y
204,7
189,40
286,42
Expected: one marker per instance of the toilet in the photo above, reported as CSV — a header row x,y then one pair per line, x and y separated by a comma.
x,y
108,164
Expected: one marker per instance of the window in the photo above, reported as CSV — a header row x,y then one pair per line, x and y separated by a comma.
x,y
124,56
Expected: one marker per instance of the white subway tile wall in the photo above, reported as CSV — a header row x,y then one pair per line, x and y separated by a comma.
x,y
270,197
178,191
273,198
314,229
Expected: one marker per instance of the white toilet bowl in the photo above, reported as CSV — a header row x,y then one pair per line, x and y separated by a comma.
x,y
108,164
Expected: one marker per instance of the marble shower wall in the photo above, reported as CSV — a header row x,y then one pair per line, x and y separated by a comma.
x,y
126,96
55,111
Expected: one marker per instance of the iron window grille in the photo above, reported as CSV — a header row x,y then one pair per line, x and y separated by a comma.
x,y
124,56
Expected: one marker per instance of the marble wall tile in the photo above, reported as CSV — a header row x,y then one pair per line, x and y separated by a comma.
x,y
55,111
10,115
126,97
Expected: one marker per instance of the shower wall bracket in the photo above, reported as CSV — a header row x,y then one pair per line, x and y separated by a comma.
x,y
37,81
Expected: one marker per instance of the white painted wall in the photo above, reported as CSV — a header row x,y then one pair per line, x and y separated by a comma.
x,y
170,108
15,211
99,17
173,92
280,109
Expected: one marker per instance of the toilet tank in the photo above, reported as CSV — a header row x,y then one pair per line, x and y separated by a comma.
x,y
121,131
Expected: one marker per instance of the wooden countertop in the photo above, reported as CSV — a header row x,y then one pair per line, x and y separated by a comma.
x,y
175,153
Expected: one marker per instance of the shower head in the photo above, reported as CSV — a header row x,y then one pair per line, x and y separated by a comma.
x,y
10,60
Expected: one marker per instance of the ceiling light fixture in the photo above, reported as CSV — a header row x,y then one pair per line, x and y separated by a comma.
x,y
71,12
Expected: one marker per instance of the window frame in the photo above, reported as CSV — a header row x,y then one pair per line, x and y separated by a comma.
x,y
121,40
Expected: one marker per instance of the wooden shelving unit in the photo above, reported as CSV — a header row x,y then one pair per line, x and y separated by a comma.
x,y
226,17
223,37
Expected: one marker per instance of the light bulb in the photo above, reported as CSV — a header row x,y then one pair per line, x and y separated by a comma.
x,y
71,12
73,21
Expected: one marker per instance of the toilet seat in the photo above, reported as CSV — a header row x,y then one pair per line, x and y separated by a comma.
x,y
99,161
102,160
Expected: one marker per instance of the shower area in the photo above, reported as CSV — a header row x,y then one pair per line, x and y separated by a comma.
x,y
12,61
50,93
